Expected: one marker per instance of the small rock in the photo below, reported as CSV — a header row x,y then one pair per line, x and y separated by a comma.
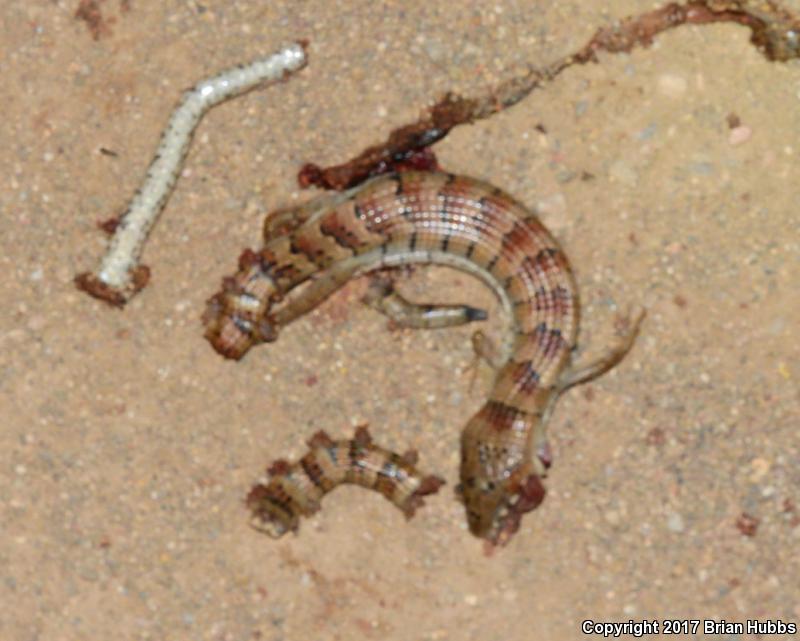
x,y
675,522
623,173
747,524
759,467
739,135
701,168
648,132
672,85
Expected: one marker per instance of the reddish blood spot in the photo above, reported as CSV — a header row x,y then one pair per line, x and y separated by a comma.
x,y
89,12
320,439
747,524
531,494
92,285
247,259
429,485
108,226
656,436
362,436
256,494
415,159
278,467
310,174
140,276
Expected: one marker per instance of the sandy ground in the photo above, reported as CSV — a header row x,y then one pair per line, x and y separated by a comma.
x,y
127,444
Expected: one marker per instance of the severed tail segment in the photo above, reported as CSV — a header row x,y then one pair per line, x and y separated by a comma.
x,y
295,489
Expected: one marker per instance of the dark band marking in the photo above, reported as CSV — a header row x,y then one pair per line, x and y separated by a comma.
x,y
470,249
313,470
552,300
499,416
412,241
354,454
550,340
400,187
526,377
277,496
333,228
313,253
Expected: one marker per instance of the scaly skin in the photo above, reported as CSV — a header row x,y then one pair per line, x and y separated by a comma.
x,y
432,218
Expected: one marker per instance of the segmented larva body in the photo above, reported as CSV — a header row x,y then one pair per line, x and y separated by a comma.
x,y
119,275
437,218
295,489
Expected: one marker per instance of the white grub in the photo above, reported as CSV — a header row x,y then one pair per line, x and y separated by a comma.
x,y
120,276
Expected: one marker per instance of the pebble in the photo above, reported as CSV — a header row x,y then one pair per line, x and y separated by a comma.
x,y
759,467
675,522
623,173
739,135
672,85
701,168
648,132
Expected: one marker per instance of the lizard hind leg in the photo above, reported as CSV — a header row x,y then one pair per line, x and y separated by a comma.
x,y
628,325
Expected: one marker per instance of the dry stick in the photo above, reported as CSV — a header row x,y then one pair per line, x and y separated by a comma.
x,y
120,275
775,31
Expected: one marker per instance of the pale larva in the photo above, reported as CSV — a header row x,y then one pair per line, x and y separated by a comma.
x,y
119,275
